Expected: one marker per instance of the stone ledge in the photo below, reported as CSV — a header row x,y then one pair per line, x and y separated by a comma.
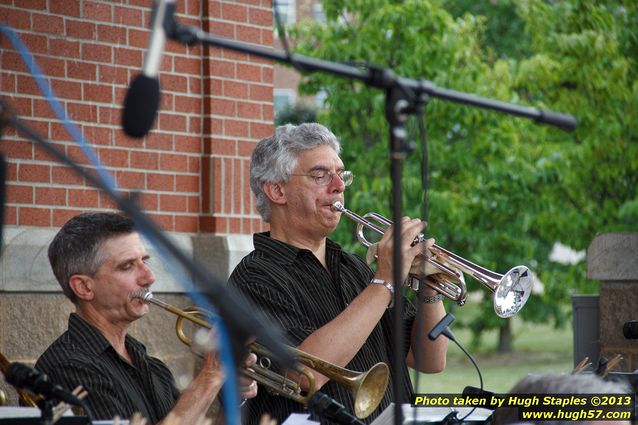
x,y
613,257
25,267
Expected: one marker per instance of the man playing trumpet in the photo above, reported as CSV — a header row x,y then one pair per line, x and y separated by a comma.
x,y
331,304
100,263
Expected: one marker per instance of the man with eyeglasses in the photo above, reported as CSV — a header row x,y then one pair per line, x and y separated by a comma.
x,y
330,303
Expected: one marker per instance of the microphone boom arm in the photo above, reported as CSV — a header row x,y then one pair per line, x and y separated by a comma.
x,y
373,77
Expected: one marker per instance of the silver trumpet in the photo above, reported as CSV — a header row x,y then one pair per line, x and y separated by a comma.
x,y
443,270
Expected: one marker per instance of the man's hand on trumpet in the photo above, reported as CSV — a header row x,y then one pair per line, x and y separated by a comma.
x,y
205,344
410,229
248,386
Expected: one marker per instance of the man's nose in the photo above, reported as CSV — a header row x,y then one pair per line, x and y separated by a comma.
x,y
337,184
147,277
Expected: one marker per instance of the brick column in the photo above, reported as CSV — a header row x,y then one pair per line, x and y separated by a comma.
x,y
191,171
612,258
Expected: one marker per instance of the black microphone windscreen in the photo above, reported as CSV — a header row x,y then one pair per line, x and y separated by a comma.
x,y
28,378
327,407
478,392
20,375
140,106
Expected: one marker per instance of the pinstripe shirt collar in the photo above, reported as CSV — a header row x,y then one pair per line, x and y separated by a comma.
x,y
283,253
93,340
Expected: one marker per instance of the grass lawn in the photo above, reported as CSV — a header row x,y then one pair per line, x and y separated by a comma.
x,y
537,349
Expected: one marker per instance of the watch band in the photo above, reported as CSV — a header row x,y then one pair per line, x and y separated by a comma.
x,y
430,299
388,285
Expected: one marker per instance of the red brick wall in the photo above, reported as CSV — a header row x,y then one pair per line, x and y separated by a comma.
x,y
192,169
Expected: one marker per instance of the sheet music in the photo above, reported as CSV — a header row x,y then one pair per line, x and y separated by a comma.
x,y
299,419
19,412
11,412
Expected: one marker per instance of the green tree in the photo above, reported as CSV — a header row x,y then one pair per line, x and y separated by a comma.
x,y
502,190
504,30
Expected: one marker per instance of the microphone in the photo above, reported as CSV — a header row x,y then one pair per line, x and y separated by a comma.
x,y
30,379
442,328
329,408
143,96
481,393
630,329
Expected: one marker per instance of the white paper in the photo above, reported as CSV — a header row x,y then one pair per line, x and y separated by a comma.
x,y
299,419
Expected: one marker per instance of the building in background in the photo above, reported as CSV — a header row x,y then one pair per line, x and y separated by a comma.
x,y
190,173
286,79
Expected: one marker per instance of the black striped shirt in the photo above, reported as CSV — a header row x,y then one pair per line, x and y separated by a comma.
x,y
82,356
293,287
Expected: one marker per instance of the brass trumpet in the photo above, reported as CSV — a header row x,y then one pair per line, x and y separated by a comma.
x,y
511,290
368,388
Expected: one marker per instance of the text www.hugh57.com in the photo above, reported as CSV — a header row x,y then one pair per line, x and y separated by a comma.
x,y
574,415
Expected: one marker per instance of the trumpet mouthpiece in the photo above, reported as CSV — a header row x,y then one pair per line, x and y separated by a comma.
x,y
143,294
338,206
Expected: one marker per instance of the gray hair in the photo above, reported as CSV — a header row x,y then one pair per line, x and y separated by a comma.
x,y
75,249
582,383
275,157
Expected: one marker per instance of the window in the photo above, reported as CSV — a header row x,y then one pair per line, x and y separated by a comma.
x,y
283,98
287,11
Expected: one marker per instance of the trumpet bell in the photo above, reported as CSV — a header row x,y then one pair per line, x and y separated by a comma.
x,y
370,389
513,291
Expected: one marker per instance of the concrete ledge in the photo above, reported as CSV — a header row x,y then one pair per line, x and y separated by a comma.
x,y
613,257
24,266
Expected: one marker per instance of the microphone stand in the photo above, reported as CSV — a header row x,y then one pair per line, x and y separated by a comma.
x,y
403,96
46,410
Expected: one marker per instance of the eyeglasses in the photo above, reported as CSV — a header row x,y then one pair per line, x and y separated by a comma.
x,y
324,177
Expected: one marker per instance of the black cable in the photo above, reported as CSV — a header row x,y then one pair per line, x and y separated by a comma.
x,y
425,170
281,32
443,328
420,117
477,370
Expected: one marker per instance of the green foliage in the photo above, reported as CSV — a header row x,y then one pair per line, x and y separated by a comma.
x,y
502,190
504,30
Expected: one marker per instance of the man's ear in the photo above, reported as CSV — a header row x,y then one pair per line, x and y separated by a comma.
x,y
275,192
81,285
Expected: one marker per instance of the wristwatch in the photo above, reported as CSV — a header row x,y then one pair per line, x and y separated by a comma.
x,y
426,299
388,285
